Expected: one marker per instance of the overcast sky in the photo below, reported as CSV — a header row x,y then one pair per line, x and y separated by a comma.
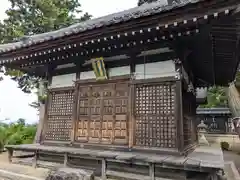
x,y
14,103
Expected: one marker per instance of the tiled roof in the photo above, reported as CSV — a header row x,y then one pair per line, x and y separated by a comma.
x,y
127,15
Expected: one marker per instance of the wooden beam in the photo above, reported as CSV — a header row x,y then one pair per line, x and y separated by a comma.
x,y
123,62
100,50
166,17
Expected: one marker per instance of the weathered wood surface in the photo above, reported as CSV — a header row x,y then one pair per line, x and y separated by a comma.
x,y
102,114
40,126
202,159
58,115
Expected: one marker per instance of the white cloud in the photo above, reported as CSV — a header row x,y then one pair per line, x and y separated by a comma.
x,y
14,103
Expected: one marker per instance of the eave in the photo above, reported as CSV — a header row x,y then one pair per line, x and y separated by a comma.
x,y
149,15
94,27
214,111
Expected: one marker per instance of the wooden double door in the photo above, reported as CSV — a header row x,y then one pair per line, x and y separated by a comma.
x,y
103,113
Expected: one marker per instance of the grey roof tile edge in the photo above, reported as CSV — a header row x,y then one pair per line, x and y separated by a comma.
x,y
123,16
219,110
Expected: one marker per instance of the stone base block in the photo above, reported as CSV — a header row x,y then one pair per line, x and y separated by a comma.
x,y
70,174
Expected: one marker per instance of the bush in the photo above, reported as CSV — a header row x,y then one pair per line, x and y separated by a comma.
x,y
225,146
16,133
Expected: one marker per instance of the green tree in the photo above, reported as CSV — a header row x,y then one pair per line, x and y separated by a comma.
x,y
17,133
28,17
216,97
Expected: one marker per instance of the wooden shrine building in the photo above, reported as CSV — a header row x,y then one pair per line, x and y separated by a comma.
x,y
218,120
121,88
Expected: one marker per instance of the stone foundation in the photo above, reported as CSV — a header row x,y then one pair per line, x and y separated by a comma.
x,y
70,174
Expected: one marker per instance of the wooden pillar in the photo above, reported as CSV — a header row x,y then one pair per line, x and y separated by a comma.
x,y
131,116
104,165
114,116
65,160
40,123
10,154
179,116
179,106
34,162
43,108
75,102
45,117
74,117
152,171
131,102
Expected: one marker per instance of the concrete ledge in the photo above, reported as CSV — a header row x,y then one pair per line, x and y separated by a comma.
x,y
232,139
201,159
233,174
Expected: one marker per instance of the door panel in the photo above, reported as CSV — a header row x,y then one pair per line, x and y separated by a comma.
x,y
82,131
103,113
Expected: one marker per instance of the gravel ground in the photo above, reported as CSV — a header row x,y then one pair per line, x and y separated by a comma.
x,y
14,169
232,156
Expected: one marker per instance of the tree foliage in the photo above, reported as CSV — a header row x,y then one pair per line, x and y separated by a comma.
x,y
17,133
28,17
216,97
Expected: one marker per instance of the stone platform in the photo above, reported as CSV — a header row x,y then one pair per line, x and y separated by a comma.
x,y
203,161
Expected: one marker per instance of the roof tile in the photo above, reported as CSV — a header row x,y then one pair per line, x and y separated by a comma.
x,y
133,13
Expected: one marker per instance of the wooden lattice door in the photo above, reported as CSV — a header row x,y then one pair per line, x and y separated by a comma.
x,y
155,115
58,125
103,113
